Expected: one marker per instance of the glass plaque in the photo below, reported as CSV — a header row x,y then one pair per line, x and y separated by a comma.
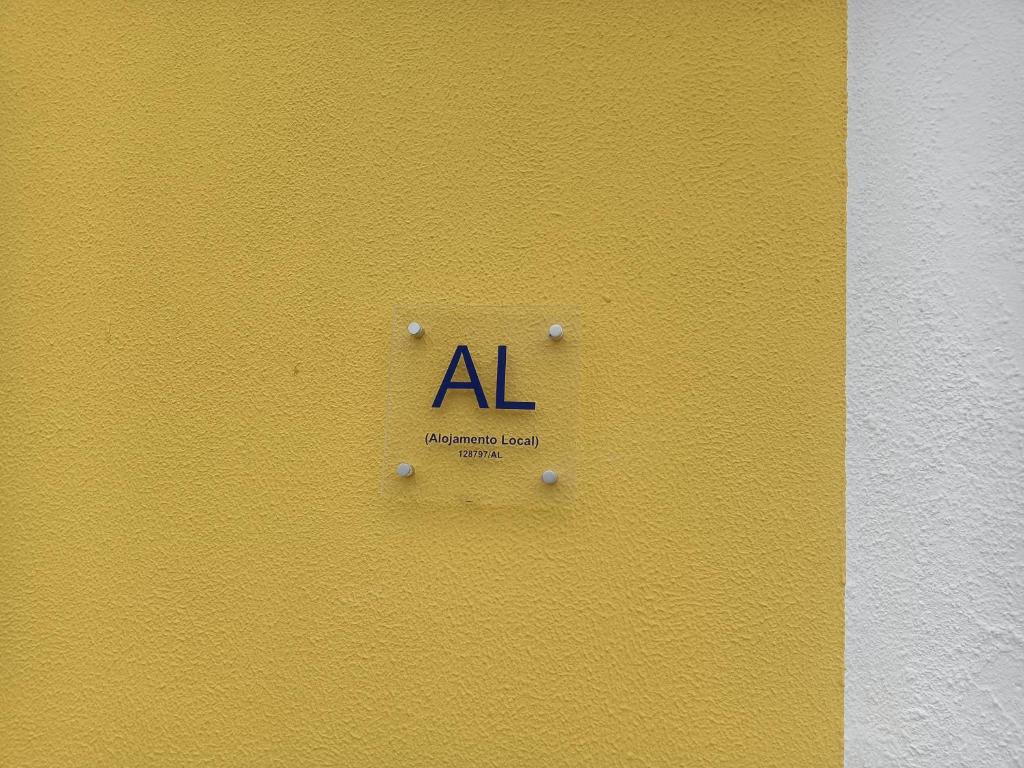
x,y
482,404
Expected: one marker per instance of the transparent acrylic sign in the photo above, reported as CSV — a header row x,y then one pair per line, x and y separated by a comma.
x,y
482,403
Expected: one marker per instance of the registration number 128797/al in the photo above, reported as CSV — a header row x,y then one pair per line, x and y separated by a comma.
x,y
479,454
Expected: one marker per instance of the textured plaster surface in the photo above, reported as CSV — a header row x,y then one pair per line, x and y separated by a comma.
x,y
206,216
935,386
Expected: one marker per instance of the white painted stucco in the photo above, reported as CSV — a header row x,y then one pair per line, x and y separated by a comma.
x,y
935,384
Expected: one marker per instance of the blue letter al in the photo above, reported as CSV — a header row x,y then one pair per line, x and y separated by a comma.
x,y
461,351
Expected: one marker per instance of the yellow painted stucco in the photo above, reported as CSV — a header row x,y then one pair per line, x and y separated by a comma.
x,y
207,213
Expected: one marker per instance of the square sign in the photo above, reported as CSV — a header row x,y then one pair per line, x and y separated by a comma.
x,y
482,404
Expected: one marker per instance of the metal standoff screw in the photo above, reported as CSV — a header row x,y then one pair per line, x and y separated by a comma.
x,y
556,332
405,470
549,476
415,329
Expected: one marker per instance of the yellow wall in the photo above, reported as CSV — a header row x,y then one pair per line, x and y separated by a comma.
x,y
206,216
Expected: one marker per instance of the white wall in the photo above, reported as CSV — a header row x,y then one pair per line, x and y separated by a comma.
x,y
935,384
